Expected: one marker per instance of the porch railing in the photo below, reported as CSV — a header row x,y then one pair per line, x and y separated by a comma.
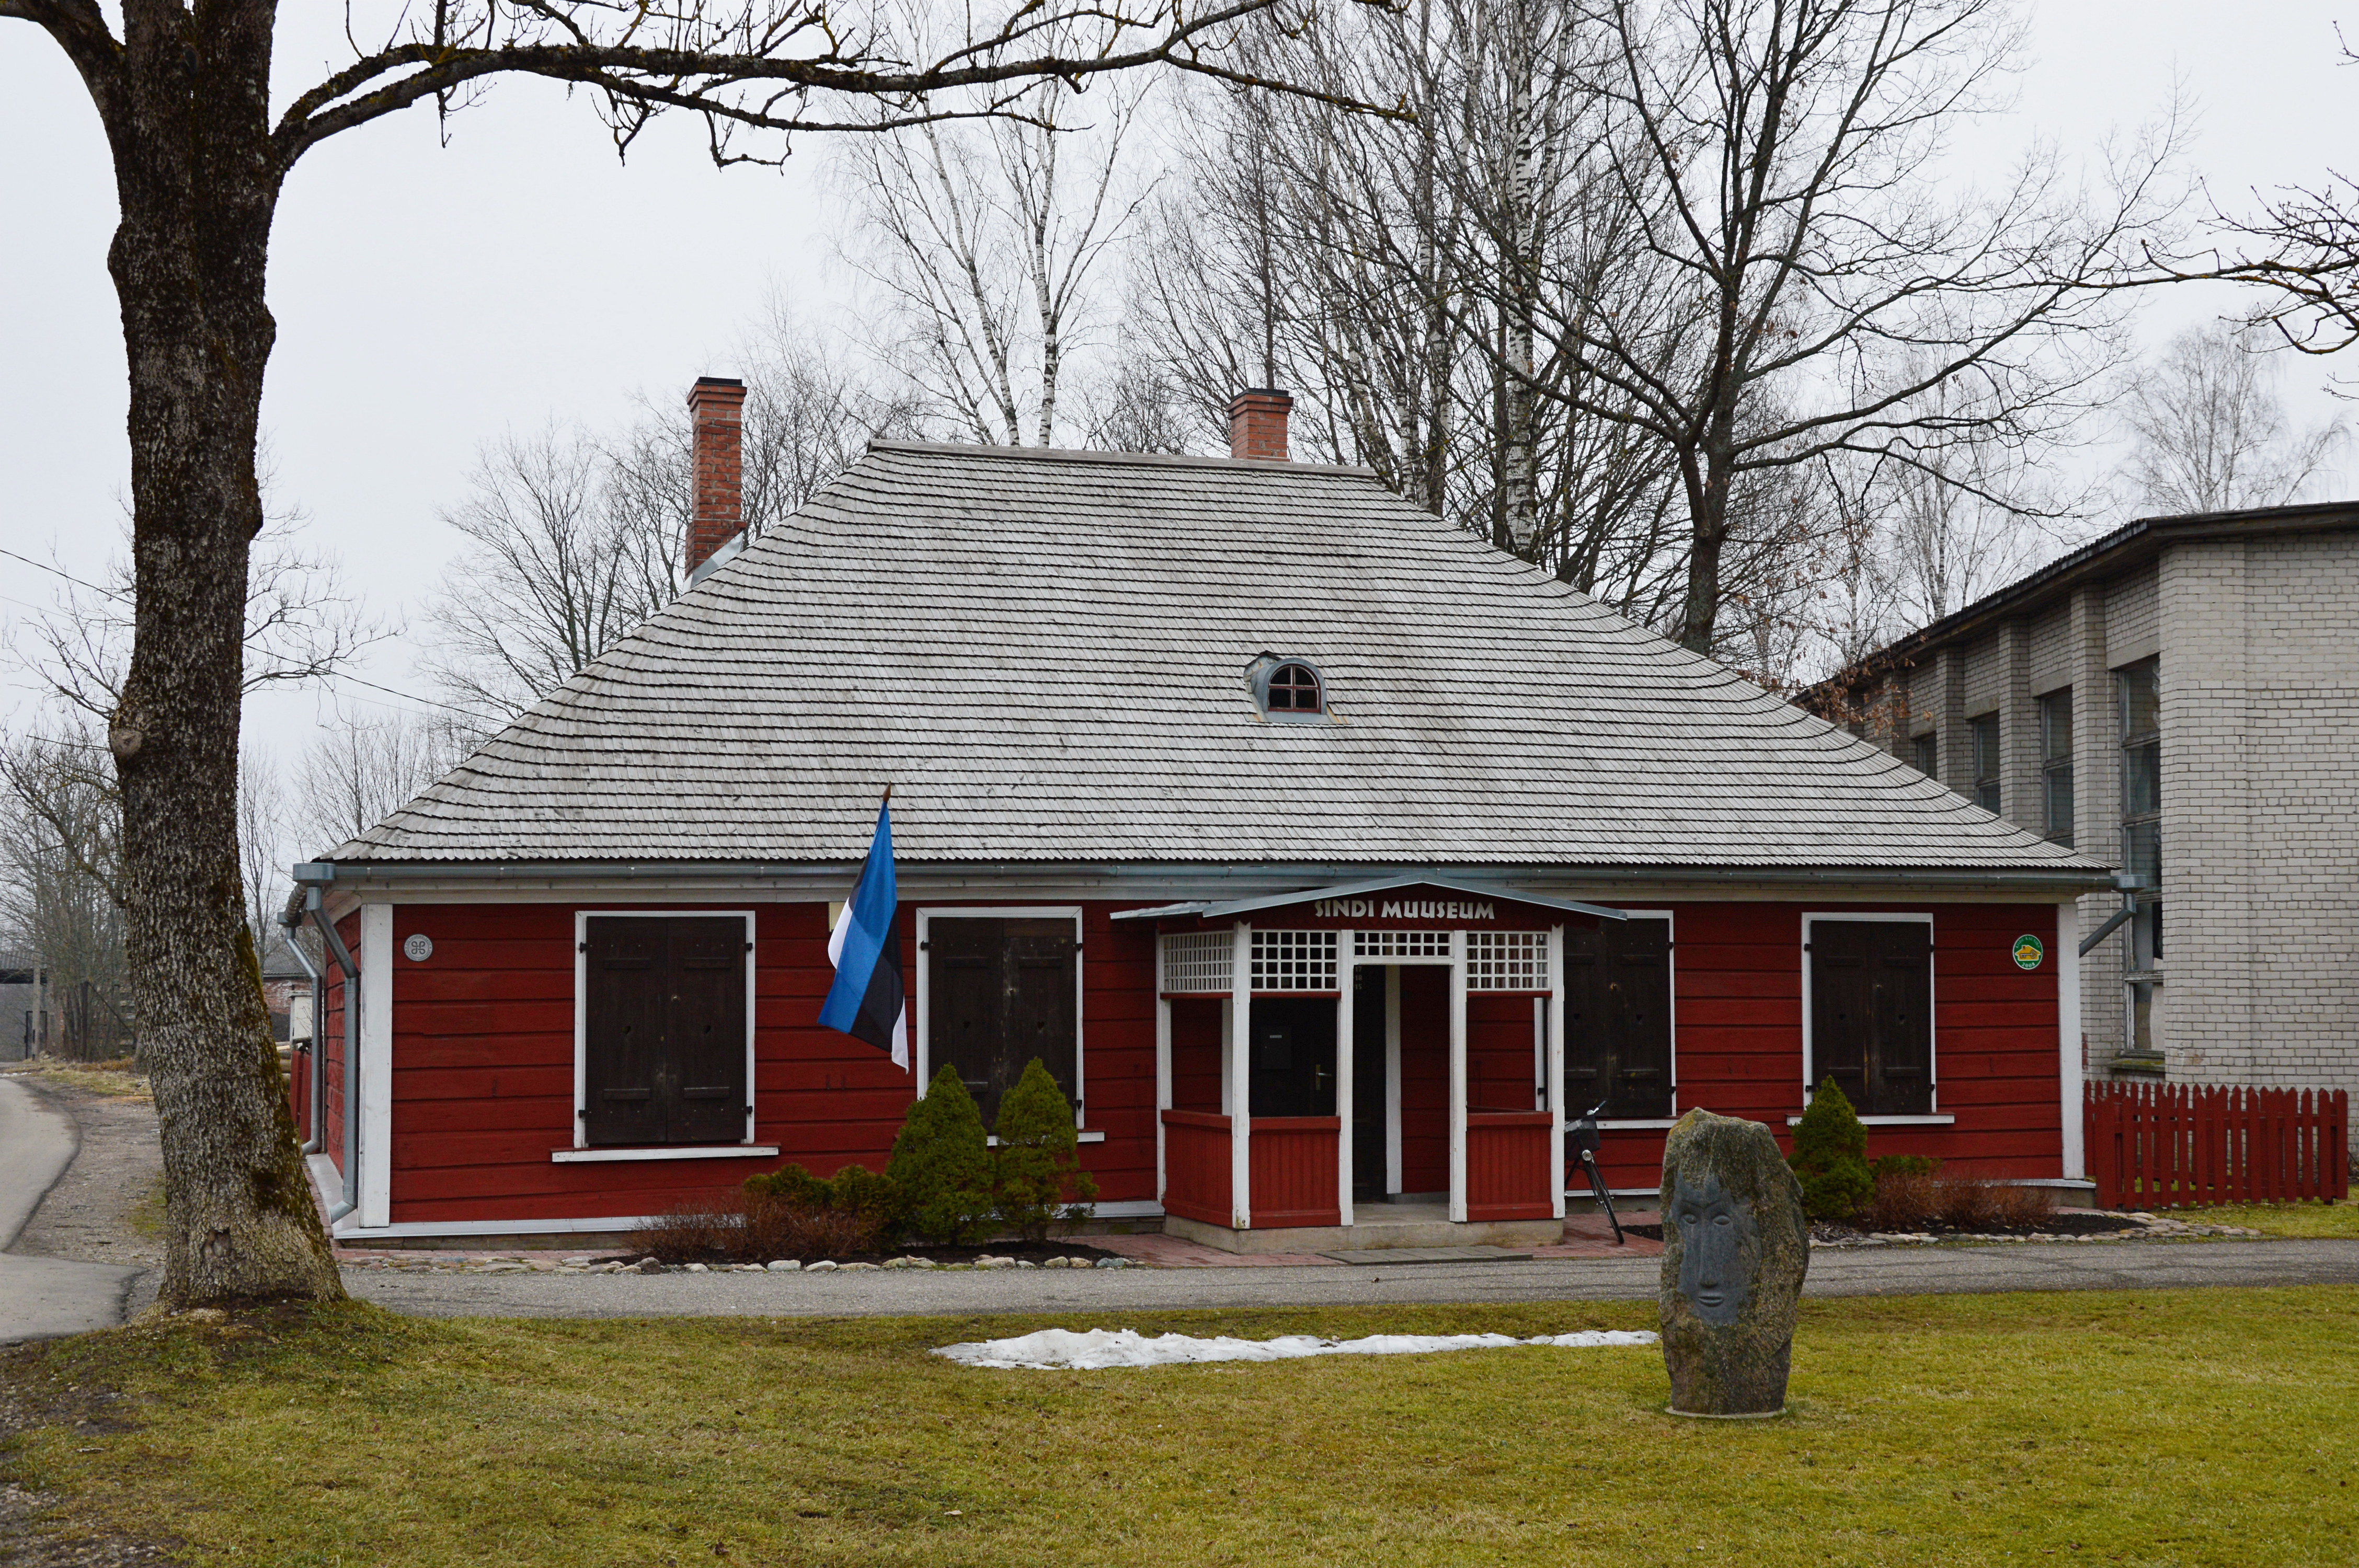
x,y
1508,1172
2182,1145
1196,1183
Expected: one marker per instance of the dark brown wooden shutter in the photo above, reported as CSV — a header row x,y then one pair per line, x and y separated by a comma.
x,y
1588,1045
1639,980
664,1038
1618,1020
1871,1014
999,993
707,1031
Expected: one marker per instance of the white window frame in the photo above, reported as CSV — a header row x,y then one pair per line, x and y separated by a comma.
x,y
581,1152
1671,979
1932,1015
920,1048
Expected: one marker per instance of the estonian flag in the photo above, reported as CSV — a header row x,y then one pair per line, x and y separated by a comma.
x,y
866,1001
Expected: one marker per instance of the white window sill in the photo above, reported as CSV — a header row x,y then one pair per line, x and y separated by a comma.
x,y
1078,1138
1892,1121
1653,1125
686,1152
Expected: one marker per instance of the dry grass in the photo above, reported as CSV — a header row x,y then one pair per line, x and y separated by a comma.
x,y
118,1079
2203,1427
1920,1202
754,1228
2294,1219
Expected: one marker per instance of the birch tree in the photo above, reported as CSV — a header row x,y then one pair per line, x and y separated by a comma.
x,y
2209,434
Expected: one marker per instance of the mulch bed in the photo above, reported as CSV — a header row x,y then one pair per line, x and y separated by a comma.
x,y
1022,1252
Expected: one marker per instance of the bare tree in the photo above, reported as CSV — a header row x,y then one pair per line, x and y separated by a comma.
x,y
1780,156
62,881
2209,434
261,840
183,95
550,576
359,772
984,241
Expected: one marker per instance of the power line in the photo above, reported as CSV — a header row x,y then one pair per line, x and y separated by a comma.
x,y
59,572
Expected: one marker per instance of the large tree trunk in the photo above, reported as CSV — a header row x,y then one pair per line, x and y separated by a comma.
x,y
198,180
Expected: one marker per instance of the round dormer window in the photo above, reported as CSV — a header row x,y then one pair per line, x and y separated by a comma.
x,y
1291,689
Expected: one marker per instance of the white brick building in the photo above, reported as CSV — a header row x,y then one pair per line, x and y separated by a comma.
x,y
2180,698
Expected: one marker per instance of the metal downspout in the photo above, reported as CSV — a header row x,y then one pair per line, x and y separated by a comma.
x,y
352,1198
317,1141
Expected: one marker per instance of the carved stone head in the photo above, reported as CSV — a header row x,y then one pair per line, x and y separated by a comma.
x,y
1720,1249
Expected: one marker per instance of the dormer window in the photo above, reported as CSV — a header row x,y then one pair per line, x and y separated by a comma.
x,y
1293,688
1287,689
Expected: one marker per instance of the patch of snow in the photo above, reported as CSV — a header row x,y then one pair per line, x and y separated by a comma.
x,y
1062,1349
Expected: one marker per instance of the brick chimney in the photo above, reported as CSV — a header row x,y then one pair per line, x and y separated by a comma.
x,y
717,514
1257,423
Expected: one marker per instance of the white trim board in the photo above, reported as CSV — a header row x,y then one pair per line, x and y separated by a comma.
x,y
1943,1120
345,1231
582,918
377,1063
1932,1003
685,1152
920,1048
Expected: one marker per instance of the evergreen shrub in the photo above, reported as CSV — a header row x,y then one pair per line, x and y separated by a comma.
x,y
940,1167
1831,1156
1037,1161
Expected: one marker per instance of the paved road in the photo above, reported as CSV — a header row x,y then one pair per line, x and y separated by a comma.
x,y
44,1297
1899,1272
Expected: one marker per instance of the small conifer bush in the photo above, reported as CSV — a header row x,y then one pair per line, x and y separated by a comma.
x,y
1037,1161
941,1166
1831,1156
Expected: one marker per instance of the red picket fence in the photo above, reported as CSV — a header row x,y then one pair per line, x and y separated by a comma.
x,y
2183,1145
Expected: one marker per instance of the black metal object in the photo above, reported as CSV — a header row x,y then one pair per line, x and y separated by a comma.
x,y
1581,1141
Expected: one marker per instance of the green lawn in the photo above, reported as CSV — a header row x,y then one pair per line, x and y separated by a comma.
x,y
2278,1218
2204,1427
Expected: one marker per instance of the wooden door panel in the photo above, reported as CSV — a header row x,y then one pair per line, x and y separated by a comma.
x,y
1640,982
706,1030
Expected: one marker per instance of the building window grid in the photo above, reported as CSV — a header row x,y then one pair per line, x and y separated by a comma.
x,y
1507,961
1199,963
1400,944
2139,690
1984,733
1925,754
2056,765
1294,961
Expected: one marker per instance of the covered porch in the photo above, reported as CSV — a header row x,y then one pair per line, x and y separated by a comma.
x,y
1374,1065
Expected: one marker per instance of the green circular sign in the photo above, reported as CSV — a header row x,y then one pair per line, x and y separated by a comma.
x,y
2029,952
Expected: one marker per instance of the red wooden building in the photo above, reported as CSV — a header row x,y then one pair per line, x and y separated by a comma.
x,y
1328,857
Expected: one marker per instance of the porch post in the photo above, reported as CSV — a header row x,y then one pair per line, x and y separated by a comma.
x,y
1241,1079
1458,1077
1556,1067
1162,1063
1345,1086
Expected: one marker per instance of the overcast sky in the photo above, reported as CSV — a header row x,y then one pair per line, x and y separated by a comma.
x,y
428,297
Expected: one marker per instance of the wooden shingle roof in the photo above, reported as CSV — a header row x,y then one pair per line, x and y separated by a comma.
x,y
1045,654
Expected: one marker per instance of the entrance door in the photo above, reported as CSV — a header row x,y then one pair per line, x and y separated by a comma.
x,y
1368,1107
1293,1057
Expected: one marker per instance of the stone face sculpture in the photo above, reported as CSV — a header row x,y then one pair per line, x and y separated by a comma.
x,y
1735,1247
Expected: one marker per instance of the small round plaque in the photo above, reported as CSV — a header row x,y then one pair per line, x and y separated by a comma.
x,y
418,947
2028,951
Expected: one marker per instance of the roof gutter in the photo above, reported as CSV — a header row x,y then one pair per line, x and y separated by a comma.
x,y
1267,876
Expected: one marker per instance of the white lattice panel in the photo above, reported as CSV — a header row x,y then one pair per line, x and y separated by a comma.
x,y
1507,961
1294,961
1198,963
1400,944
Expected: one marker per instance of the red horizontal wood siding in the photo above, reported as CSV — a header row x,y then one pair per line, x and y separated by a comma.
x,y
1737,1010
1293,1163
1196,1053
1198,1166
483,1065
1507,1170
